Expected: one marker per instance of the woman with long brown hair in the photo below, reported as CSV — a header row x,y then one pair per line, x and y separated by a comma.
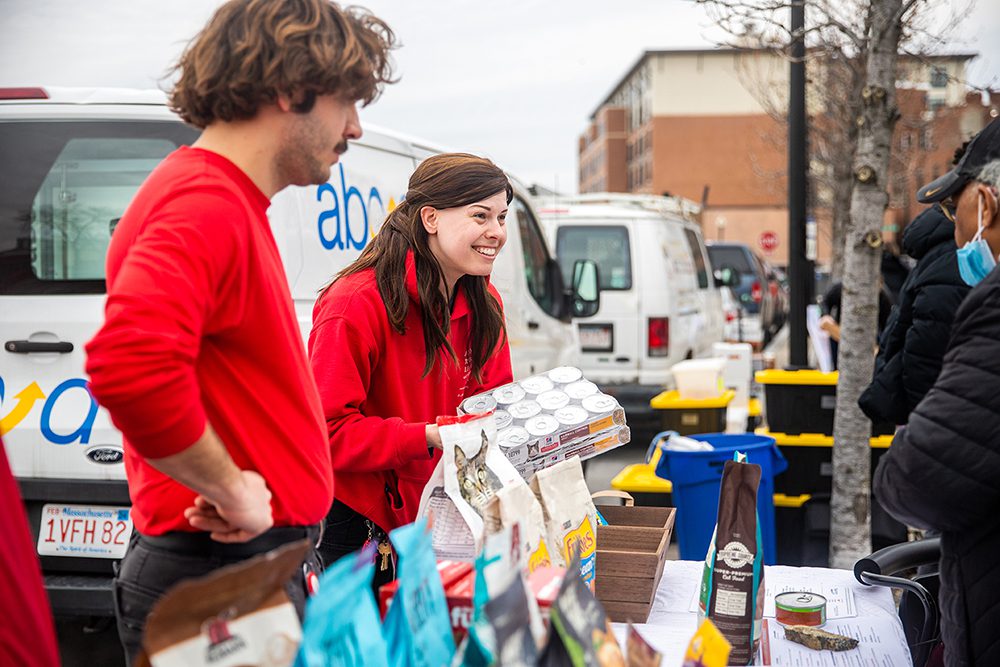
x,y
402,336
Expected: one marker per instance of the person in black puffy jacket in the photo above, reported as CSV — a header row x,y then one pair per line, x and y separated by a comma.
x,y
915,337
942,471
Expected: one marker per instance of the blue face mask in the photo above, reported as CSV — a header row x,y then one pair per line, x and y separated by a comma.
x,y
975,259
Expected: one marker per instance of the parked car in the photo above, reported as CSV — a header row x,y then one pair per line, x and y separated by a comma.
x,y
753,290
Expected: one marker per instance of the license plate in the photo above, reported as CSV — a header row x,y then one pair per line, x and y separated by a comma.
x,y
596,338
83,531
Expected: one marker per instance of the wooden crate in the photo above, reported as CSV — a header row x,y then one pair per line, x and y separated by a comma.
x,y
631,551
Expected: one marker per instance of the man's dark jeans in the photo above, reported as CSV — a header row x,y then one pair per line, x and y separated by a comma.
x,y
153,565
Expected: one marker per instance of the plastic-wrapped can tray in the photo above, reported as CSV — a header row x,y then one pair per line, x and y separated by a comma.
x,y
541,426
509,393
581,390
565,374
571,415
479,405
515,436
553,400
537,384
503,419
599,404
524,410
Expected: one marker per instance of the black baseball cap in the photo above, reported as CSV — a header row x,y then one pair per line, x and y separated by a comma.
x,y
983,149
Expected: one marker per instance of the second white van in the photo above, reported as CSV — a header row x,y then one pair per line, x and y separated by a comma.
x,y
659,300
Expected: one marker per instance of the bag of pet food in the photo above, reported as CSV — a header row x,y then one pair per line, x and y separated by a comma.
x,y
471,470
342,626
707,648
516,504
237,615
417,628
732,585
570,515
638,652
511,618
507,626
580,633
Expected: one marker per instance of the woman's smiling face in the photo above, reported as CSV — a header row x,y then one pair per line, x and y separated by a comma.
x,y
465,240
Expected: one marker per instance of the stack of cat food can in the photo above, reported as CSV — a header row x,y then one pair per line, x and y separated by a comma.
x,y
550,417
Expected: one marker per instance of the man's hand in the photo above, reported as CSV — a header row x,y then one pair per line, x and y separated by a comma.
x,y
239,515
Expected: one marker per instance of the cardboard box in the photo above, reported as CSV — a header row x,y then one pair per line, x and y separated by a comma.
x,y
450,571
631,551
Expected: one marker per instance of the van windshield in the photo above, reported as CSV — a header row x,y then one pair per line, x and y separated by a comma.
x,y
607,246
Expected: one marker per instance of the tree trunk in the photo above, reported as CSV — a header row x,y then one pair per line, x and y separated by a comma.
x,y
842,190
850,81
850,510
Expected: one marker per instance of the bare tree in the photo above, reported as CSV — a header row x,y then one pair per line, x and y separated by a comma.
x,y
853,48
850,504
836,58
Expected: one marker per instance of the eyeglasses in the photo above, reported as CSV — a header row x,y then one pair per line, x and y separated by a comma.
x,y
948,209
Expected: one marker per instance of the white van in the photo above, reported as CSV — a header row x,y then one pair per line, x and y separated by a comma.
x,y
70,161
659,300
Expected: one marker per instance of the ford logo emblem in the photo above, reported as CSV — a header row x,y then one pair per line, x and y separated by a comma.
x,y
105,455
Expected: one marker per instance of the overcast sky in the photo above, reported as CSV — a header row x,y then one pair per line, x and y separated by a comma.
x,y
515,80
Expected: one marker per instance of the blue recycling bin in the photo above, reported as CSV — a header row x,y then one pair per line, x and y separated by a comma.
x,y
697,477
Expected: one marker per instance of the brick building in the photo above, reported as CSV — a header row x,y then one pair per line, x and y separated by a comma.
x,y
706,125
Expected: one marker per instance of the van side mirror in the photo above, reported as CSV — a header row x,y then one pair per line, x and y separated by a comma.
x,y
586,292
727,276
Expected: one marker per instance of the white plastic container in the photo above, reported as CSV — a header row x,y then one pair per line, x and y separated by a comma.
x,y
699,378
737,374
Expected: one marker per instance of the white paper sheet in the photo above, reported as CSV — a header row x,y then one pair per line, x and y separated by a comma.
x,y
882,644
839,598
820,339
670,637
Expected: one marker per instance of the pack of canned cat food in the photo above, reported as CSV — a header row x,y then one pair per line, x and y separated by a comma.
x,y
549,417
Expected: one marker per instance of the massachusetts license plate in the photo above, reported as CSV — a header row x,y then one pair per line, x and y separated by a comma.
x,y
596,337
84,531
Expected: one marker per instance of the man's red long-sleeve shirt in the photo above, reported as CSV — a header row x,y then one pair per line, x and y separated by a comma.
x,y
200,326
376,400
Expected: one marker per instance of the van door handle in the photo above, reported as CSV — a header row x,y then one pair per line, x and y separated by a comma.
x,y
533,325
27,346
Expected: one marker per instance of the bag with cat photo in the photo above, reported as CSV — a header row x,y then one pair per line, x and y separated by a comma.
x,y
471,470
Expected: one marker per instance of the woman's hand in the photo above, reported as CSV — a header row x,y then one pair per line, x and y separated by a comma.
x,y
433,436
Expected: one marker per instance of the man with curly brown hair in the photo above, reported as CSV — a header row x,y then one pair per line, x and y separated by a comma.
x,y
200,361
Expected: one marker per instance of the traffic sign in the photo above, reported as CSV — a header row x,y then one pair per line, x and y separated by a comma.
x,y
768,241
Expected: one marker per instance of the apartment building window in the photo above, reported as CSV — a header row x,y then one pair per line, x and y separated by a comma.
x,y
925,139
939,77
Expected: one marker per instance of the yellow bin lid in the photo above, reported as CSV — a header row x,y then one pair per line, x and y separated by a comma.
x,y
805,377
817,439
641,478
753,407
672,400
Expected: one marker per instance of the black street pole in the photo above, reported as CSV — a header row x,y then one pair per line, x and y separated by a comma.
x,y
800,272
